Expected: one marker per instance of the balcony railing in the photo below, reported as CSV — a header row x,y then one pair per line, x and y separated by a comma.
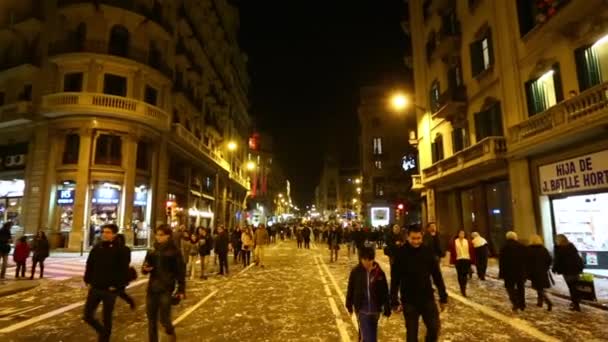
x,y
196,144
103,47
16,113
154,14
451,103
575,113
65,104
417,182
448,41
488,149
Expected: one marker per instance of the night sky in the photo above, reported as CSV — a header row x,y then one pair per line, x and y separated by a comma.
x,y
307,60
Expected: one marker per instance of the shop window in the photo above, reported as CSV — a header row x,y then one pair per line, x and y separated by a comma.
x,y
108,150
544,92
119,41
434,95
592,64
71,149
151,95
437,149
482,54
377,146
26,95
72,82
460,139
498,207
115,85
143,156
488,123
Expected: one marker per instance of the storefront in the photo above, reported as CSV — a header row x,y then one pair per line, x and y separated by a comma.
x,y
105,208
11,198
176,215
577,193
140,219
66,194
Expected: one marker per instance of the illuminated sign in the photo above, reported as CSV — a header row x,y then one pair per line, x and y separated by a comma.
x,y
408,163
65,196
106,195
141,197
380,216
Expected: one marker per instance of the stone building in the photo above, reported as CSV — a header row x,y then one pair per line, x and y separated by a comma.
x,y
120,112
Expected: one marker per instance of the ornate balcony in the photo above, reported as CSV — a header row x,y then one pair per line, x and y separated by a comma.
x,y
16,114
102,47
417,183
68,104
481,157
568,121
242,181
196,145
448,42
452,102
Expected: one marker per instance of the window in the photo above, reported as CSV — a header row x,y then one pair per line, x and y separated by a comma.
x,y
544,92
2,98
80,36
460,139
72,82
378,164
71,149
375,122
377,146
175,117
431,44
482,54
119,41
150,95
108,150
426,9
154,55
455,76
379,188
533,13
143,156
115,85
592,64
434,96
488,123
437,149
26,95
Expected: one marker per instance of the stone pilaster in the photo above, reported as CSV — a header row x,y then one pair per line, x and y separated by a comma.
x,y
129,150
160,176
35,180
81,207
524,223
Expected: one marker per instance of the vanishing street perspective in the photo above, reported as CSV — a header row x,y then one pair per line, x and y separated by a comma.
x,y
286,171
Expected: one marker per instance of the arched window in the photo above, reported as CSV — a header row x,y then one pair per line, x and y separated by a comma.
x,y
119,41
154,55
437,148
80,36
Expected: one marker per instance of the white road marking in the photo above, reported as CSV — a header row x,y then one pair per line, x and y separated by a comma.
x,y
193,308
327,290
54,313
338,290
344,336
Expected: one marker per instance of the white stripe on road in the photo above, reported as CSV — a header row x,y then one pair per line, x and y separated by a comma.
x,y
327,290
338,290
54,313
344,336
196,306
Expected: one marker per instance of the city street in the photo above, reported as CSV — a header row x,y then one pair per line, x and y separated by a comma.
x,y
298,296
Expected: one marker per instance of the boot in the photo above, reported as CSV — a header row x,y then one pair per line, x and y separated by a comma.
x,y
539,302
549,304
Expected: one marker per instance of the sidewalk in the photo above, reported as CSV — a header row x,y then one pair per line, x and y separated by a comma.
x,y
560,288
8,288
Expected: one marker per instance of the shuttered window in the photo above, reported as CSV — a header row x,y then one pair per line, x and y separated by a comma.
x,y
488,123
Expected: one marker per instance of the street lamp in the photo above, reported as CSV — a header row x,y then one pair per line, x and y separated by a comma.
x,y
399,102
232,146
250,165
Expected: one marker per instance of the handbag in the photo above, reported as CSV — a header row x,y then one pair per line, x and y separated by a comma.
x,y
585,287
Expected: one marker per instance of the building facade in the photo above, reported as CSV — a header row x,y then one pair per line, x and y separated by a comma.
x,y
387,159
120,112
512,134
337,197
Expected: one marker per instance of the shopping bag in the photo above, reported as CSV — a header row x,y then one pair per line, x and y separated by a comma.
x,y
585,288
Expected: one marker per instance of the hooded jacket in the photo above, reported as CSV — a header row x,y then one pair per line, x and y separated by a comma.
x,y
368,291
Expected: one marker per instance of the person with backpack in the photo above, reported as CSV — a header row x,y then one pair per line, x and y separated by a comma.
x,y
40,251
22,252
5,246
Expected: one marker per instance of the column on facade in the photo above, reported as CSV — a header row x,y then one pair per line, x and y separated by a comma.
x,y
189,198
522,197
430,205
77,235
94,73
49,199
129,149
35,176
160,179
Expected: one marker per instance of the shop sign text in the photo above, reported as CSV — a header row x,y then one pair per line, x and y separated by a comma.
x,y
583,173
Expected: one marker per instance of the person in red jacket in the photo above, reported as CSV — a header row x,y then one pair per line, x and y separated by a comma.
x,y
22,252
462,255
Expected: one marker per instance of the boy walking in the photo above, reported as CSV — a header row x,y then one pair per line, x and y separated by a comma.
x,y
368,295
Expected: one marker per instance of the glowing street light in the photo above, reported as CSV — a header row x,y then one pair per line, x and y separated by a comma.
x,y
232,146
250,165
399,102
280,195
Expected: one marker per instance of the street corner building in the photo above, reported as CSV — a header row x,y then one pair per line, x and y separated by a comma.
x,y
512,126
121,112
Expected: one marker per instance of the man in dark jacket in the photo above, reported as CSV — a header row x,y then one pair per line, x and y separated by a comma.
x,y
358,237
512,261
368,295
5,246
413,267
431,239
222,245
394,240
166,267
106,271
306,236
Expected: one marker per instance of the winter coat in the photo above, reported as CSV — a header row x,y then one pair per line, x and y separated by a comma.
x,y
205,245
358,237
567,260
185,247
40,248
393,242
334,235
221,243
107,266
260,237
538,265
5,240
361,283
434,243
512,261
168,268
306,233
453,251
22,252
247,240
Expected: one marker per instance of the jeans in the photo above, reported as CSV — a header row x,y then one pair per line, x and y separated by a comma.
x,y
95,297
246,256
430,317
571,282
307,243
462,268
259,255
4,258
482,261
35,261
223,258
517,293
20,269
158,307
368,327
203,265
191,267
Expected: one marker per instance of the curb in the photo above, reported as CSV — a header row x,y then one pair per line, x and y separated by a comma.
x,y
12,291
